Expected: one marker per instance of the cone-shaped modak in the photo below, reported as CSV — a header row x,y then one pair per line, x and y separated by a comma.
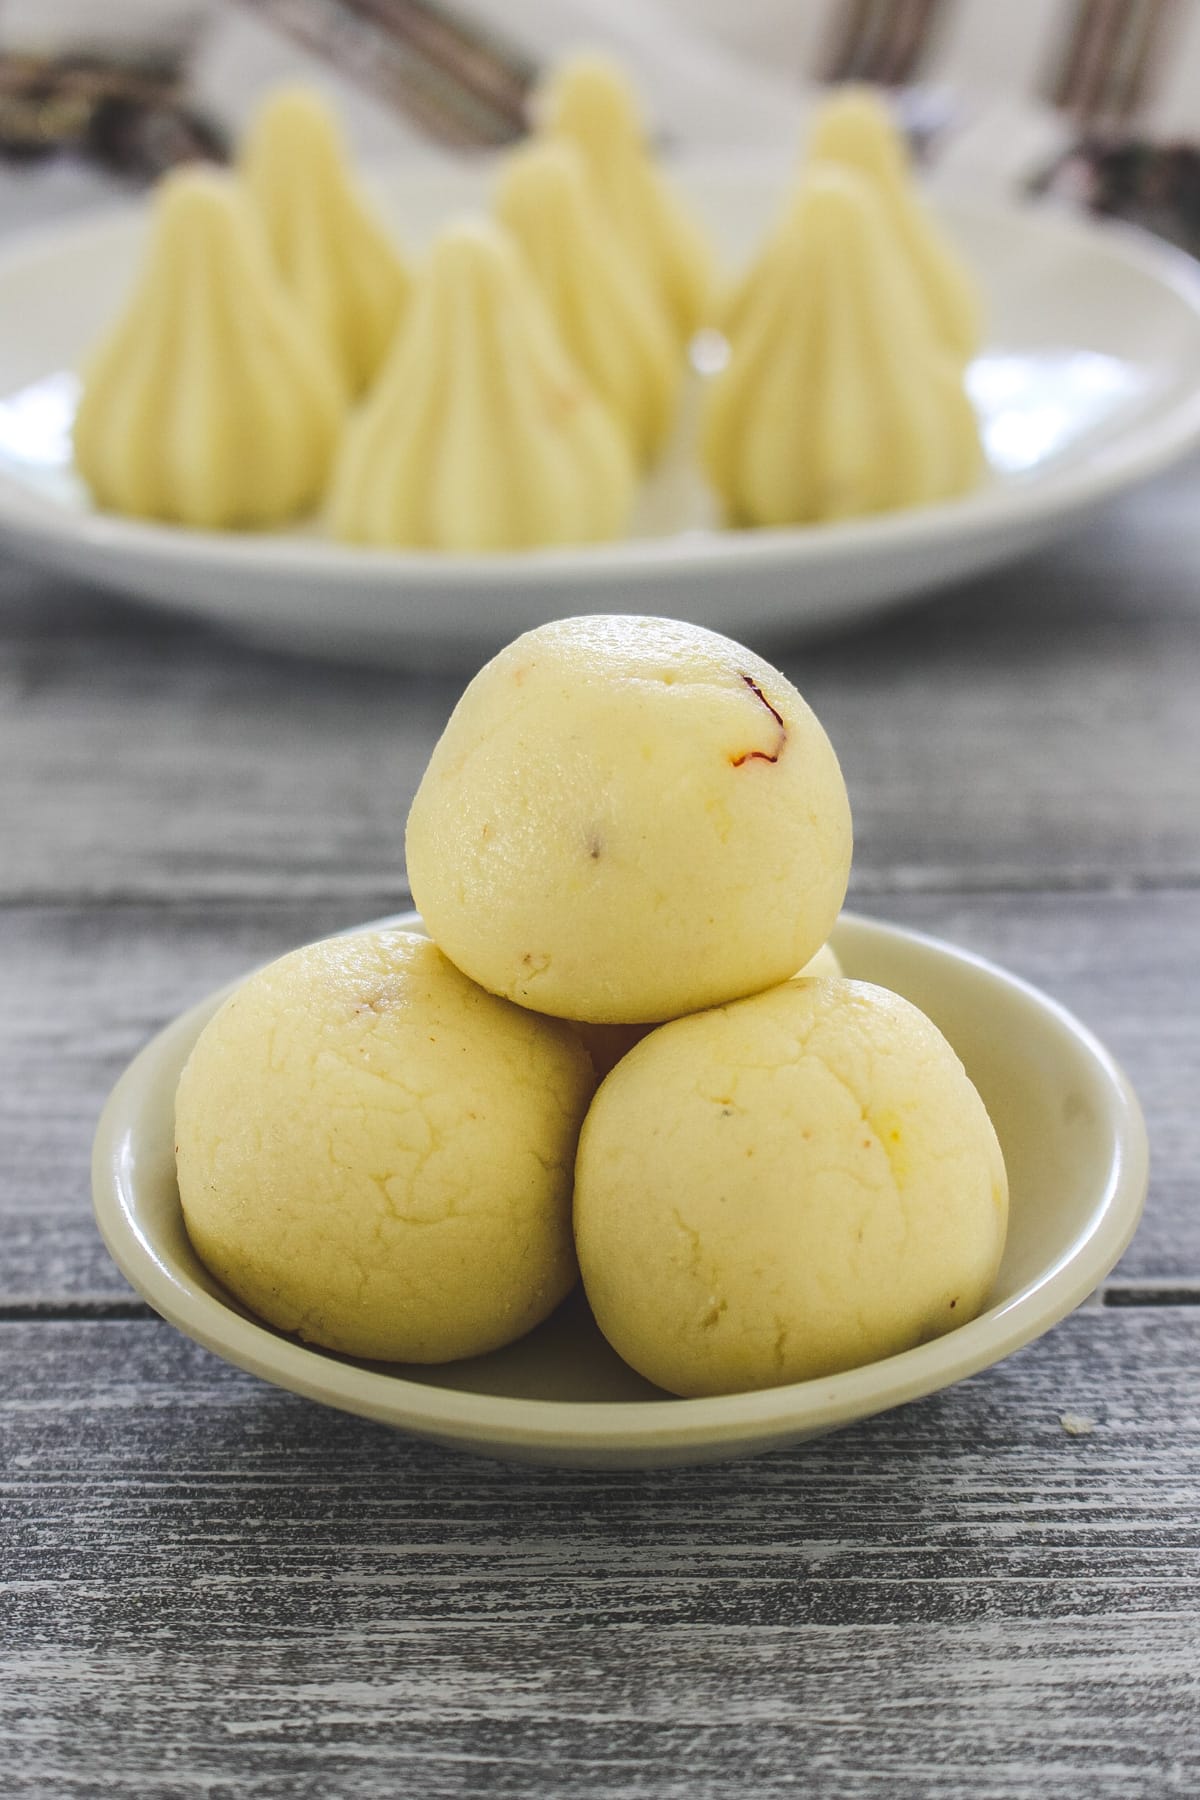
x,y
605,313
589,100
333,253
837,398
209,403
480,433
854,127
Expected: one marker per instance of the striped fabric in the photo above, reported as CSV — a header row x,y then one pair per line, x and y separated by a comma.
x,y
1102,63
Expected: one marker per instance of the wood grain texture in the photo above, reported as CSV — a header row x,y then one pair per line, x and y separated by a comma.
x,y
1038,728
89,987
211,1587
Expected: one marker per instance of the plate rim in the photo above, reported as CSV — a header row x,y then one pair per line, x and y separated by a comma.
x,y
1134,454
765,1416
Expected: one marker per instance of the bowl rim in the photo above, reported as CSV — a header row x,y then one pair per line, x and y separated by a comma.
x,y
765,1415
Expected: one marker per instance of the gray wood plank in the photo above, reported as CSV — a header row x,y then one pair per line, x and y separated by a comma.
x,y
88,987
211,1587
1039,727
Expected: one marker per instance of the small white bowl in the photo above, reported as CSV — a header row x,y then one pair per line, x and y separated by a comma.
x,y
1073,1139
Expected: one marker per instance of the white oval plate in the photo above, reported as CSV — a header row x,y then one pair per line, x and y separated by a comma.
x,y
1073,1139
1090,382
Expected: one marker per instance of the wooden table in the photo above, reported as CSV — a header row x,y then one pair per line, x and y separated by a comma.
x,y
213,1589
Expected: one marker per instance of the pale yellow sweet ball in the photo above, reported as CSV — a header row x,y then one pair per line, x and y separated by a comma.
x,y
374,1153
626,819
785,1187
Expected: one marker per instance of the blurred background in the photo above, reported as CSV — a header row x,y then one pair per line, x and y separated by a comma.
x,y
1091,99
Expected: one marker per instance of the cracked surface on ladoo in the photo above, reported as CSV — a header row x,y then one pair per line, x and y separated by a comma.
x,y
789,1186
627,819
375,1154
